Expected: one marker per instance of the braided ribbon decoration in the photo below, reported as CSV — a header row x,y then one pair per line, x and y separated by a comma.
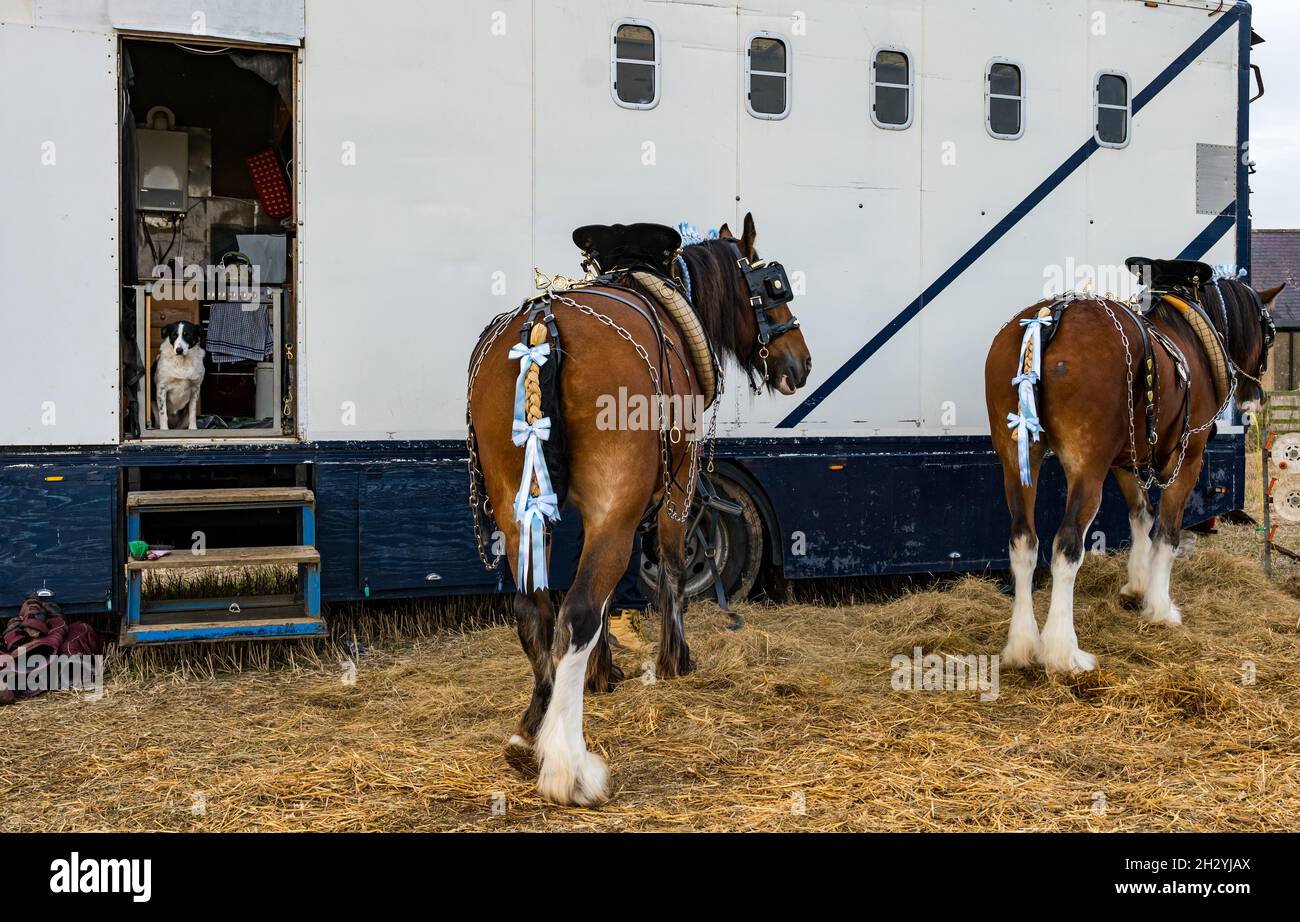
x,y
535,503
1026,422
690,235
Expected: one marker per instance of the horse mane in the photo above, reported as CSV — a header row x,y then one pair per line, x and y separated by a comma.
x,y
716,293
1243,333
1243,319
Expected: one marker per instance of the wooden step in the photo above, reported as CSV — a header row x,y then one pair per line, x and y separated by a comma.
x,y
183,558
175,500
210,631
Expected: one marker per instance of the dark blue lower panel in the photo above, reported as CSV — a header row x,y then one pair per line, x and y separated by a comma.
x,y
893,506
57,524
391,514
399,527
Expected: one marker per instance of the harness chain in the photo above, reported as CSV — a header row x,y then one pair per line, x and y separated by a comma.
x,y
480,506
769,287
676,514
1152,479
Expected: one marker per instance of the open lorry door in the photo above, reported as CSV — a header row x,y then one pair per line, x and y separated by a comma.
x,y
59,237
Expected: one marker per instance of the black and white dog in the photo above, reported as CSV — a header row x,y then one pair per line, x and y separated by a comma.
x,y
178,375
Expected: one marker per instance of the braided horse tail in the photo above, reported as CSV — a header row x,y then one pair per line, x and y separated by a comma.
x,y
1029,370
533,393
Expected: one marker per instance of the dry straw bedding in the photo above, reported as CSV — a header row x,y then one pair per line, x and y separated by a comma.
x,y
797,707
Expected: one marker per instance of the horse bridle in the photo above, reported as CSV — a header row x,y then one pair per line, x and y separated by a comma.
x,y
1268,329
769,288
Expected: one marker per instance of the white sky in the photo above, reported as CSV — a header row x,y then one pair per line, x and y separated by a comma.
x,y
1275,119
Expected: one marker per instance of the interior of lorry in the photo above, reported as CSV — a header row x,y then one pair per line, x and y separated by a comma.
x,y
208,193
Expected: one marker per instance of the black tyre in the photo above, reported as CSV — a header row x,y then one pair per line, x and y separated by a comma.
x,y
736,539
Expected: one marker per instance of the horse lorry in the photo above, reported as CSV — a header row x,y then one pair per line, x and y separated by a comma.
x,y
389,177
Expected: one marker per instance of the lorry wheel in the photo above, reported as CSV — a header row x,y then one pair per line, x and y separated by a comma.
x,y
736,539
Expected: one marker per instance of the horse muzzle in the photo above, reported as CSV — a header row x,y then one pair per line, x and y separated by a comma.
x,y
792,374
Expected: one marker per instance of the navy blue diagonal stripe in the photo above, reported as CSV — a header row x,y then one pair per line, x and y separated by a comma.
x,y
1000,230
1212,234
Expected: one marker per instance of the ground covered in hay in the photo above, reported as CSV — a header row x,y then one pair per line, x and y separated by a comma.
x,y
790,724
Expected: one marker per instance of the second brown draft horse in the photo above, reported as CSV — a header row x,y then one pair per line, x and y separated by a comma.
x,y
612,339
1108,389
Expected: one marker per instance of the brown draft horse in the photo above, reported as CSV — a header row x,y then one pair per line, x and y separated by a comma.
x,y
614,477
1085,412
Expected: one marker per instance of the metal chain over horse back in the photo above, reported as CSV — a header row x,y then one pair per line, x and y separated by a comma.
x,y
665,452
1152,478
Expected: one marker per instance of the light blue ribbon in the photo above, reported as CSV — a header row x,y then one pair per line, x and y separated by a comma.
x,y
529,438
532,512
686,278
691,235
1228,271
1025,422
532,538
527,357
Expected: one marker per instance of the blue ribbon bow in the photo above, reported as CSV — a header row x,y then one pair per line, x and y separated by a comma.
x,y
532,538
532,512
1025,422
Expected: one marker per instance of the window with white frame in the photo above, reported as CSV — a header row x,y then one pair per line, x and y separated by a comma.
x,y
1114,109
891,88
634,64
767,76
1004,99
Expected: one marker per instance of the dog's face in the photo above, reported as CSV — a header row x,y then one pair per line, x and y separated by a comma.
x,y
182,335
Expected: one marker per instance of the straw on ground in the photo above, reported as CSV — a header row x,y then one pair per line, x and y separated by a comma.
x,y
788,724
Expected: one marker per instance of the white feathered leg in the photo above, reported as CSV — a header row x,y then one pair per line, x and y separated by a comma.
x,y
1022,639
1160,608
1059,651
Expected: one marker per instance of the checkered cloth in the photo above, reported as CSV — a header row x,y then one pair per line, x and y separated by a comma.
x,y
236,334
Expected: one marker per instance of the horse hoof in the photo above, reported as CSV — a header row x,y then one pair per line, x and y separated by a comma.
x,y
1171,616
582,782
1073,662
519,756
1019,655
597,686
675,666
1130,600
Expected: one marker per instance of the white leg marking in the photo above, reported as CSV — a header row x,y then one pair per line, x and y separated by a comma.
x,y
1139,555
1160,608
194,405
569,773
1022,640
1060,651
162,408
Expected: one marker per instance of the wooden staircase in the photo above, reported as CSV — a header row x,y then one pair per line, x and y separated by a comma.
x,y
236,618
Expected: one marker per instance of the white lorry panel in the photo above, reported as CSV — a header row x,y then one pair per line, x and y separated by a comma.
x,y
59,237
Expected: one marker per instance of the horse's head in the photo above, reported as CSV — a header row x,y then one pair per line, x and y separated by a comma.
x,y
1250,334
744,304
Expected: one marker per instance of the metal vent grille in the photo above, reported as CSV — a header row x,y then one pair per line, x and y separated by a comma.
x,y
1216,177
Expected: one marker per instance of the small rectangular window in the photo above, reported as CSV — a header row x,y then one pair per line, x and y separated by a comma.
x,y
1004,100
634,66
891,88
1113,109
767,76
